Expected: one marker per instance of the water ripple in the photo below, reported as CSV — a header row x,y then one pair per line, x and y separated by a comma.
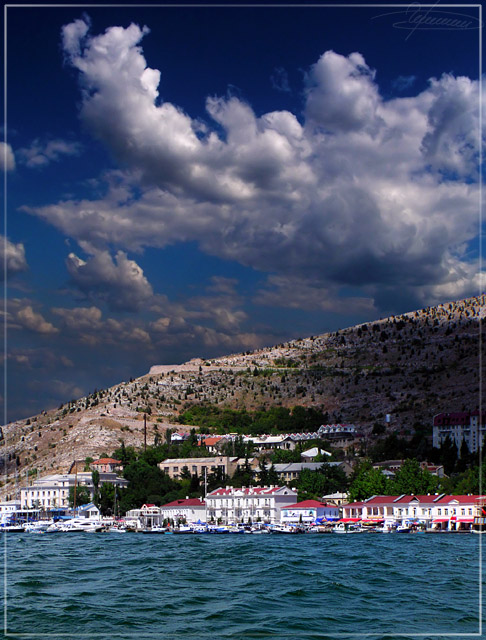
x,y
242,586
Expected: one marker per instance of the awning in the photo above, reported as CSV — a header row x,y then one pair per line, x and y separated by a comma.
x,y
374,521
350,520
466,520
441,520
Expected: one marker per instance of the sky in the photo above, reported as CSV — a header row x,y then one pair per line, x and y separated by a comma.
x,y
197,181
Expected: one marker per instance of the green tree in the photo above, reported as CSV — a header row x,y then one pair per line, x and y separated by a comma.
x,y
411,478
367,482
263,476
107,499
185,473
448,455
315,484
95,476
83,496
282,456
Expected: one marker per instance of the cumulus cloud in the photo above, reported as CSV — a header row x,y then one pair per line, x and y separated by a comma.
x,y
12,257
121,283
22,316
40,154
7,158
365,192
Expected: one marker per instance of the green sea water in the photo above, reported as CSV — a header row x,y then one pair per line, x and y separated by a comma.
x,y
107,585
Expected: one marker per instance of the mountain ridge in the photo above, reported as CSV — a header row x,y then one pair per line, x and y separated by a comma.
x,y
410,366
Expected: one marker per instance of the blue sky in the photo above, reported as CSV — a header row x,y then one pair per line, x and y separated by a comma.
x,y
195,181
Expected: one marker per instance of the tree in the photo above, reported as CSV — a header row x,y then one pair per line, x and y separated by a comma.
x,y
448,455
263,479
107,499
83,496
411,478
367,482
95,476
185,473
315,484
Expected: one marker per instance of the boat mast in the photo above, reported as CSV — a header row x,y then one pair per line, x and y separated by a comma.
x,y
75,486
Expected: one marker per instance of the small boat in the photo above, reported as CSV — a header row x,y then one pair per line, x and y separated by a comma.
x,y
12,528
347,528
81,524
404,528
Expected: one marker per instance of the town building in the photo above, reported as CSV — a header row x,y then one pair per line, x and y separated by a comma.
x,y
189,510
106,465
337,499
292,470
337,431
198,466
466,426
9,507
52,492
310,454
271,443
309,512
88,511
213,443
440,512
245,504
146,517
394,465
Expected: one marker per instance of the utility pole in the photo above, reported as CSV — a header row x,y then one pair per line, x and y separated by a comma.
x,y
145,432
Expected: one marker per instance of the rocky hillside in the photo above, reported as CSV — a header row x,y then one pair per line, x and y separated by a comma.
x,y
410,366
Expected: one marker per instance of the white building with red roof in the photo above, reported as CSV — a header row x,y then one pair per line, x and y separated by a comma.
x,y
309,511
468,426
439,511
255,504
185,509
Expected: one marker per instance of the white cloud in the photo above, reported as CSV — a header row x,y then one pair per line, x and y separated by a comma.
x,y
12,257
7,158
121,284
365,193
40,154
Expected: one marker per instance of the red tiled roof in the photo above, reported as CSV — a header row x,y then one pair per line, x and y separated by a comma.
x,y
410,498
460,499
188,502
246,491
380,500
210,441
106,461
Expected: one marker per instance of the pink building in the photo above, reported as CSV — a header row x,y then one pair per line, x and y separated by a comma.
x,y
107,465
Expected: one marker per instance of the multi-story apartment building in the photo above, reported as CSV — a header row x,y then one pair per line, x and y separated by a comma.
x,y
198,466
468,426
52,492
444,512
258,504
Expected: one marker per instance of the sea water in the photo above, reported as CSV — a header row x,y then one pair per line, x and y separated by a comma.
x,y
107,585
